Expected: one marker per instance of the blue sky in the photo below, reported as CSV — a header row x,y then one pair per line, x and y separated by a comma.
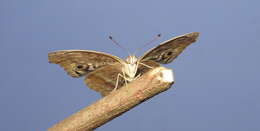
x,y
217,78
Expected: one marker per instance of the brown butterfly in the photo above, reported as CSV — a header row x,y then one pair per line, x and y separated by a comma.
x,y
104,72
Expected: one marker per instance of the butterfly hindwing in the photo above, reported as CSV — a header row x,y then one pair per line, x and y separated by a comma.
x,y
103,80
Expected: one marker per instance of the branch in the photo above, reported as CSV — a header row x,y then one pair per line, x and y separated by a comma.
x,y
148,85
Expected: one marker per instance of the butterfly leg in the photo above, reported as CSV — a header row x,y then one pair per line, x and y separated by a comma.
x,y
124,78
146,65
117,80
137,76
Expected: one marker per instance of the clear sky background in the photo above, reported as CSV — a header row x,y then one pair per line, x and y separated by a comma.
x,y
217,78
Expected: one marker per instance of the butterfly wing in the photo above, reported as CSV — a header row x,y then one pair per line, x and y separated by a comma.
x,y
103,80
167,51
80,62
146,66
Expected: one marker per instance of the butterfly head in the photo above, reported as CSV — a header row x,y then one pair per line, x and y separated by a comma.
x,y
131,59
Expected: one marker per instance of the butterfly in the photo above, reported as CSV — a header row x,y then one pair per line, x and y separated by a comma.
x,y
104,72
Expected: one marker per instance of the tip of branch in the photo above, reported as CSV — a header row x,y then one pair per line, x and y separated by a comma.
x,y
167,75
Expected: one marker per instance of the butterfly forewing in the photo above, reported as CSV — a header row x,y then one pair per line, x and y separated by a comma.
x,y
167,51
80,62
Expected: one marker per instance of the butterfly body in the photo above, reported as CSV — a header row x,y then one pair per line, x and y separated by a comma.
x,y
129,68
102,69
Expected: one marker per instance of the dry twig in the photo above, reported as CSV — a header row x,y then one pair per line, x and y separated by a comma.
x,y
151,83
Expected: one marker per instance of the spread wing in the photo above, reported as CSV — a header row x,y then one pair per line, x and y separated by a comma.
x,y
103,80
80,62
167,51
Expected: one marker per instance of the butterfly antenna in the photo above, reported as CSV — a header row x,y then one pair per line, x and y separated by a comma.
x,y
154,39
115,42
